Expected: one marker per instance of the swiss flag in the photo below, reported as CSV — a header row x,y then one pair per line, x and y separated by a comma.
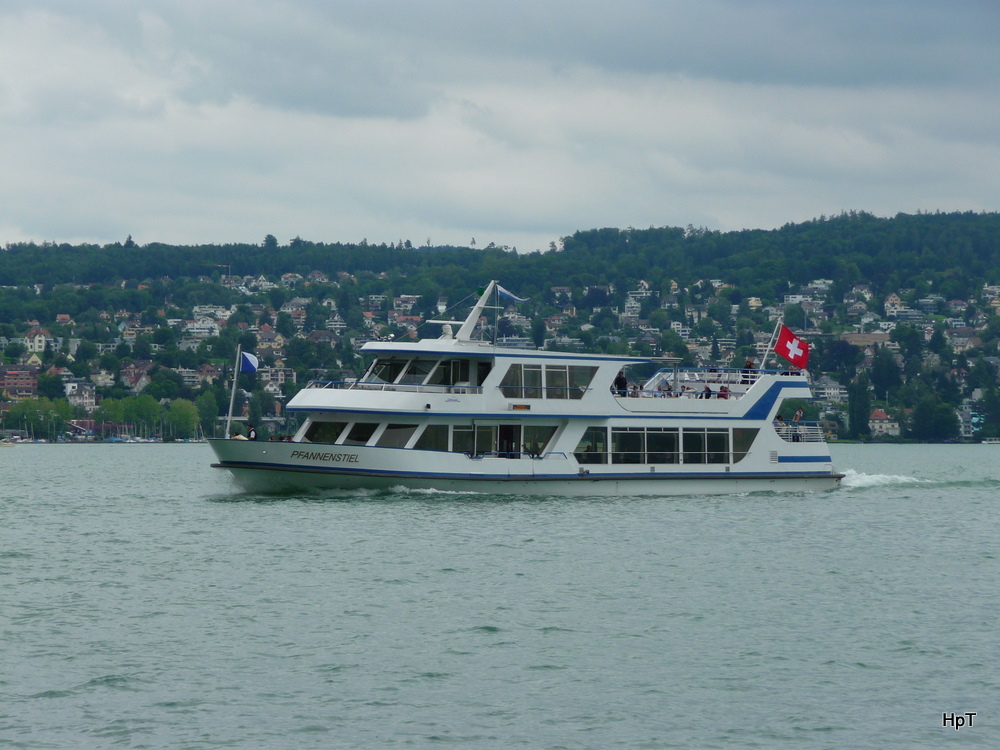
x,y
792,348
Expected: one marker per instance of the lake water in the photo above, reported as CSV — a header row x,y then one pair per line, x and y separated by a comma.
x,y
146,603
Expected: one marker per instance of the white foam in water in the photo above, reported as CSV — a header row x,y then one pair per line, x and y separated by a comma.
x,y
430,491
857,479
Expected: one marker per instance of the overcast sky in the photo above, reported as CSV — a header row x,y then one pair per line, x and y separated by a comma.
x,y
514,122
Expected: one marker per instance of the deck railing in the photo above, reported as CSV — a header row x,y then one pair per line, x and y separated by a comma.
x,y
403,387
800,432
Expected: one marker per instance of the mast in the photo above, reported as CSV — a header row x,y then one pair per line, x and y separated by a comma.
x,y
465,332
232,397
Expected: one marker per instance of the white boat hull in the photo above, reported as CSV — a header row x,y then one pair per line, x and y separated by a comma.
x,y
280,468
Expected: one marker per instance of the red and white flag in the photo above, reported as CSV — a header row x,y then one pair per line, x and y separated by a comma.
x,y
792,348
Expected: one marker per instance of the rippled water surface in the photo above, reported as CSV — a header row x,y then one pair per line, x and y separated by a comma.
x,y
145,602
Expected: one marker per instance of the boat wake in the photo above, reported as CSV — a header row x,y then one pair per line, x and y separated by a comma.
x,y
859,480
327,495
401,490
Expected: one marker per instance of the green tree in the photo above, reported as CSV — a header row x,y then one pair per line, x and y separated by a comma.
x,y
143,413
284,325
41,418
13,352
859,408
933,420
164,383
208,413
50,386
538,332
885,373
909,340
110,411
182,418
86,351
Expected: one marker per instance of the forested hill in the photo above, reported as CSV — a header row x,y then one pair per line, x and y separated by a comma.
x,y
951,254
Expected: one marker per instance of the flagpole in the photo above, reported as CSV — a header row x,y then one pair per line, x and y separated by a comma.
x,y
770,344
232,397
496,314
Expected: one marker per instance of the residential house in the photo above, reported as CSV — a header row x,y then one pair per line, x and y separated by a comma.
x,y
36,338
882,425
269,339
135,375
80,392
18,382
102,379
829,391
317,277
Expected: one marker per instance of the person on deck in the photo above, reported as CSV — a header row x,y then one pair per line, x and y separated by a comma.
x,y
251,431
621,383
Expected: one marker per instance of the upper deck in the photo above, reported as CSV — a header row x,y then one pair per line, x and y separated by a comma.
x,y
457,374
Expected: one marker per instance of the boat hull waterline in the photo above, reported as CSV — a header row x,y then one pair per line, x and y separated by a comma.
x,y
278,476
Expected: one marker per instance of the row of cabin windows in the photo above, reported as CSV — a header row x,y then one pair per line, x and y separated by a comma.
x,y
520,381
444,372
664,445
555,381
510,440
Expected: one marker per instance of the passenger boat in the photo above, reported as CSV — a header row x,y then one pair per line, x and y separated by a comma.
x,y
461,413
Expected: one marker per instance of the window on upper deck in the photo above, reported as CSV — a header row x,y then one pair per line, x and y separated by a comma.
x,y
522,381
385,370
417,371
449,372
568,381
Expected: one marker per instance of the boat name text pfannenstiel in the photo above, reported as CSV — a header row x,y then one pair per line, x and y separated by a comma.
x,y
345,458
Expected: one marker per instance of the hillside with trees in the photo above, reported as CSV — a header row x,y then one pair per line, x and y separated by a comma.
x,y
901,314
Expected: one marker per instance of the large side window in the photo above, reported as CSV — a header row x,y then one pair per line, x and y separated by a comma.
x,y
694,446
433,438
512,385
536,438
522,381
532,381
463,439
662,445
325,432
385,370
483,369
450,371
717,446
486,439
360,433
706,446
593,446
417,371
743,438
628,445
396,435
580,377
555,381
